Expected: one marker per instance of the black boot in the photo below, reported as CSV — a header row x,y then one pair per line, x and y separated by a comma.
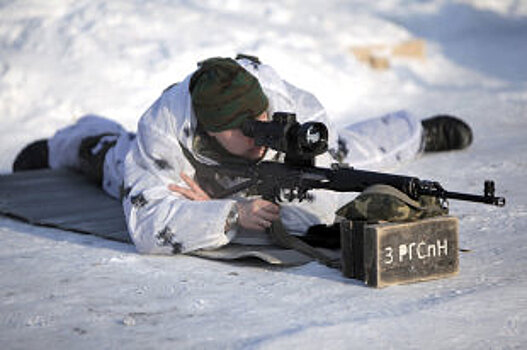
x,y
33,156
445,133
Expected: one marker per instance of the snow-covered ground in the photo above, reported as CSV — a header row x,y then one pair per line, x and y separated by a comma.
x,y
62,59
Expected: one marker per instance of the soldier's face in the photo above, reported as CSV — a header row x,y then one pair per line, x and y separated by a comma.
x,y
235,142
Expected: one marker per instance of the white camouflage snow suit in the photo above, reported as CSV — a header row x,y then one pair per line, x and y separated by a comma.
x,y
141,168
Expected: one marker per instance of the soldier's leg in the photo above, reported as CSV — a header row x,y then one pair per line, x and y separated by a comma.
x,y
382,142
398,137
94,146
64,146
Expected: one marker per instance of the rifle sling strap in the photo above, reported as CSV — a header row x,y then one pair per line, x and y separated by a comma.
x,y
393,192
280,237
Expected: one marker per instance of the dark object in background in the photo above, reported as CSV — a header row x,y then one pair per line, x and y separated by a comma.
x,y
323,236
33,156
445,133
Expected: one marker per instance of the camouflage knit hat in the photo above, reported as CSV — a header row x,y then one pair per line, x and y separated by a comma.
x,y
224,94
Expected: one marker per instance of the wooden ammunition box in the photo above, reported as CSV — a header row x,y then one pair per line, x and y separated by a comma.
x,y
394,253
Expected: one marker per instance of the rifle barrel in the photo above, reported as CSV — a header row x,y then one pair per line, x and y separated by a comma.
x,y
497,201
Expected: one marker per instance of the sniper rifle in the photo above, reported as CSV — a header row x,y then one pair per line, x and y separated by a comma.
x,y
294,178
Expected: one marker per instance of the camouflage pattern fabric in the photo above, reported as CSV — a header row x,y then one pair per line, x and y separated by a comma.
x,y
92,151
380,203
224,94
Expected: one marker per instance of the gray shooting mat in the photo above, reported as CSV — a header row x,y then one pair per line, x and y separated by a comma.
x,y
67,200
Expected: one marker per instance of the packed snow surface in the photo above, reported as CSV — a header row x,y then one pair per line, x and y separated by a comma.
x,y
62,59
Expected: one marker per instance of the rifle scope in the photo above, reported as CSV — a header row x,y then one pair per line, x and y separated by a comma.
x,y
285,134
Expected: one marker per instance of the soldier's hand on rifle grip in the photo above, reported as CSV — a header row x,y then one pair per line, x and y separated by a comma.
x,y
257,214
